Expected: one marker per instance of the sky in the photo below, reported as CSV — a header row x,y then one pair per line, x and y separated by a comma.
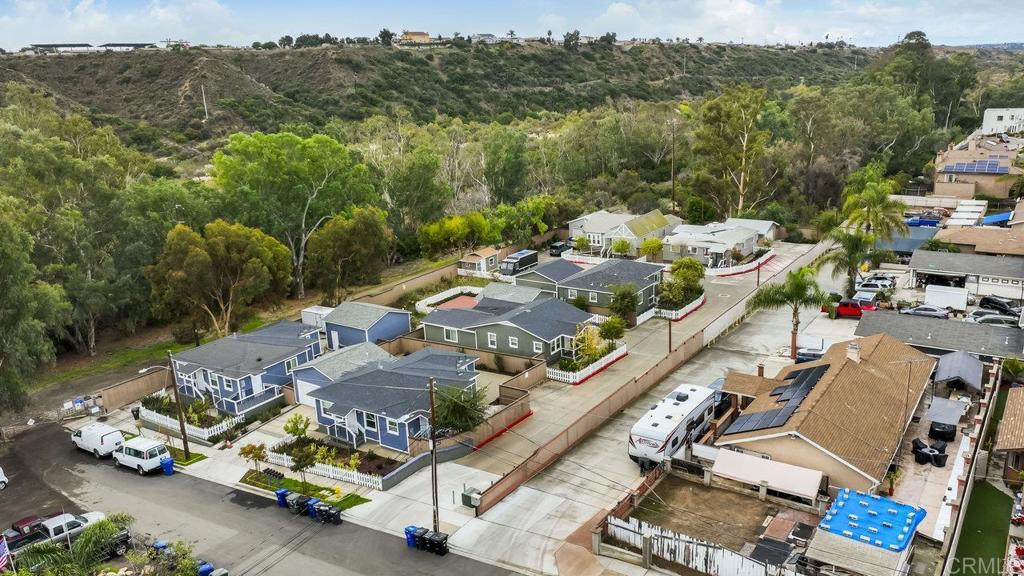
x,y
240,22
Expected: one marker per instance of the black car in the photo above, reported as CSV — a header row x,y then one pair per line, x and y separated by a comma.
x,y
1004,305
557,248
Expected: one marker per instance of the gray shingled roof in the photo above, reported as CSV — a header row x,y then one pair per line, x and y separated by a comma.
x,y
955,263
613,272
547,318
345,360
960,366
953,335
239,355
557,270
397,387
509,292
359,315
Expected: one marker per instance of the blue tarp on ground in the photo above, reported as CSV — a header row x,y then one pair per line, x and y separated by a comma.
x,y
997,219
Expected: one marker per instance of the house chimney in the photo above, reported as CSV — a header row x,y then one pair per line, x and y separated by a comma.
x,y
853,351
760,369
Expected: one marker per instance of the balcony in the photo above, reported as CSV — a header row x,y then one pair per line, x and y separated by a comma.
x,y
238,406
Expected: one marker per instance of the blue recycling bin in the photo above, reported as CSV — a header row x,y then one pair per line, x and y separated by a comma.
x,y
410,536
167,464
282,497
311,507
160,545
205,569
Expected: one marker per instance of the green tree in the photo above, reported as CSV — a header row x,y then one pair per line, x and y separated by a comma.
x,y
85,554
459,410
612,329
731,143
213,278
303,460
30,310
415,192
624,300
871,209
571,40
504,153
286,41
255,453
688,271
297,426
621,246
588,346
386,37
798,290
826,221
935,245
288,186
581,244
349,251
1013,369
652,248
850,250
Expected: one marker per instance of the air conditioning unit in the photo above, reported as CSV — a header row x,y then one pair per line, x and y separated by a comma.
x,y
471,497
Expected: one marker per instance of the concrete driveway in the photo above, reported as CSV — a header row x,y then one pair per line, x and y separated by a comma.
x,y
232,528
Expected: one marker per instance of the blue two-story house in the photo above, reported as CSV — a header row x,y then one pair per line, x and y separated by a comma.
x,y
245,372
324,370
387,401
354,322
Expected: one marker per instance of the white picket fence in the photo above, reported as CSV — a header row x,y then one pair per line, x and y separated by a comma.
x,y
327,471
742,268
572,256
695,554
646,316
577,377
427,304
194,431
677,314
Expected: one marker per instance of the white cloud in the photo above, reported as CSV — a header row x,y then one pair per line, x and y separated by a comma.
x,y
96,22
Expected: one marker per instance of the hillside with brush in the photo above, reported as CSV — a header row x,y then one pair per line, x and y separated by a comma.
x,y
155,98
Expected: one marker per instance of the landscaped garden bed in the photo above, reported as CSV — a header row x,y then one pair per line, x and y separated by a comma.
x,y
198,412
340,456
328,495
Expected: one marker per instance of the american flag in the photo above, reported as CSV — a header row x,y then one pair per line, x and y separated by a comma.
x,y
5,555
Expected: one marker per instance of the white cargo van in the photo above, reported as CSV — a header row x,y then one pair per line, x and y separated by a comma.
x,y
682,416
141,454
100,439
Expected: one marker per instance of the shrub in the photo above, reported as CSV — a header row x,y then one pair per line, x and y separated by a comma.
x,y
580,301
297,426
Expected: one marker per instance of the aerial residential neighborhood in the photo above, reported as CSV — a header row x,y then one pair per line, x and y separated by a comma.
x,y
581,289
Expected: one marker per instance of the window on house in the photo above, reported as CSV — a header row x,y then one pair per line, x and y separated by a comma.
x,y
229,385
513,342
451,335
556,344
651,299
290,364
492,340
999,118
595,239
538,346
371,421
593,297
572,294
392,426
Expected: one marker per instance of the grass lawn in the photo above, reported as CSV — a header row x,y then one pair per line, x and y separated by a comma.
x,y
119,359
997,416
179,456
985,529
258,480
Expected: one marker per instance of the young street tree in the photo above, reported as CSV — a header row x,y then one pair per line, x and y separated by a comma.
x,y
799,289
214,277
288,186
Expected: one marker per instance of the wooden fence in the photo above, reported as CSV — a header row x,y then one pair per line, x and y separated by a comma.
x,y
690,552
134,389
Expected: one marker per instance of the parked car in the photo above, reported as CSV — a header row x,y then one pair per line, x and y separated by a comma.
x,y
1003,305
141,454
67,527
874,286
880,277
3,479
100,439
998,320
849,308
808,355
558,248
980,313
865,297
22,527
927,310
19,544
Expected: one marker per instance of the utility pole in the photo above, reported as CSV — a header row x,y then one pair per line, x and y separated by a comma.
x,y
177,402
433,456
906,404
669,335
675,209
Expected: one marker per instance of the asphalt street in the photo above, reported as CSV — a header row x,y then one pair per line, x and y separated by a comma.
x,y
231,528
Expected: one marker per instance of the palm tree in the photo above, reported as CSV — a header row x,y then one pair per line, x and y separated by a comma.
x,y
799,289
850,251
91,549
826,221
873,210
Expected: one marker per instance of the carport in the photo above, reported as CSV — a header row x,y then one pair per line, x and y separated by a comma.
x,y
753,471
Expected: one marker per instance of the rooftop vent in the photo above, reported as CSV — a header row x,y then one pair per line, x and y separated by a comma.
x,y
682,397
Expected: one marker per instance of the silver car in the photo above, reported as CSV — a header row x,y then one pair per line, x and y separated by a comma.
x,y
874,286
927,310
981,313
999,320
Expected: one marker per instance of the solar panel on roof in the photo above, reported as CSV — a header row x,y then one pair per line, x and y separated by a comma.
x,y
779,390
792,395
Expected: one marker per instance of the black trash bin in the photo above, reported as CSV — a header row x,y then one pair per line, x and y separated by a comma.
x,y
428,541
939,460
420,536
438,543
299,505
946,432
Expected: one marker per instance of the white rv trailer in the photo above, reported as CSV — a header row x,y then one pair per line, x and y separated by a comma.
x,y
682,416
